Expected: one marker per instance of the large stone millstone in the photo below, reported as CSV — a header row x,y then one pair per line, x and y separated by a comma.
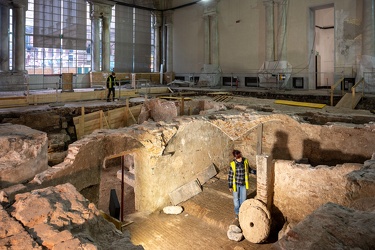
x,y
255,221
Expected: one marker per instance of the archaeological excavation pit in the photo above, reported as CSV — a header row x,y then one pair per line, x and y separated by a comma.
x,y
308,166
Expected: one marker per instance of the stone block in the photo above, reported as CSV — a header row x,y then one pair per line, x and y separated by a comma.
x,y
23,153
331,226
206,174
185,192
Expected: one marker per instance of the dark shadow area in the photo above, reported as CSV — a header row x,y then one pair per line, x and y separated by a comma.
x,y
318,156
280,149
114,204
252,195
322,119
277,223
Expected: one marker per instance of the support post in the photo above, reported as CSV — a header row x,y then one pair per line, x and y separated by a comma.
x,y
122,189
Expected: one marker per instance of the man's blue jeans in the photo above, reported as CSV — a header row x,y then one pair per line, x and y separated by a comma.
x,y
239,197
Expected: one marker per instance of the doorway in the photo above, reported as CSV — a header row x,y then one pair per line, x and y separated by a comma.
x,y
111,180
324,46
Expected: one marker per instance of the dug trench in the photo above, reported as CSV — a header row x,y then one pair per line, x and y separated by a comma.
x,y
167,154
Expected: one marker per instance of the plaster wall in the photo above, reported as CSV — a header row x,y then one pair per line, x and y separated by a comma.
x,y
194,147
299,189
242,45
287,138
188,39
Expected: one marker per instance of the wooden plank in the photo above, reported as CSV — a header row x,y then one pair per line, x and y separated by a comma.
x,y
175,98
92,123
219,93
8,102
347,101
301,104
82,121
182,107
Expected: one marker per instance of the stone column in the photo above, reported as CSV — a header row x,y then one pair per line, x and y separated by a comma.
x,y
106,50
95,37
207,47
281,39
367,63
270,44
368,33
265,182
169,26
214,40
4,38
19,38
211,39
157,31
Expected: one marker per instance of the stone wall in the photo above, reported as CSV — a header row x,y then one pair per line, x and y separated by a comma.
x,y
300,189
23,154
170,154
331,226
58,218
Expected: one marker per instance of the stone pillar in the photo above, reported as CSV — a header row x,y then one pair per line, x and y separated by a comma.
x,y
103,12
368,33
265,179
214,40
281,38
157,31
106,50
211,39
367,63
95,37
270,44
169,26
4,38
207,47
19,38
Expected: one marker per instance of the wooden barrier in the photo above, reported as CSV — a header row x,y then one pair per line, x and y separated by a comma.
x,y
100,78
86,123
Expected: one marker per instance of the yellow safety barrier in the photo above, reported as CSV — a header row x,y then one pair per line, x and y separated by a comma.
x,y
301,104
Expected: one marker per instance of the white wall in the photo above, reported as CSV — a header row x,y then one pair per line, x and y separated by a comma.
x,y
242,45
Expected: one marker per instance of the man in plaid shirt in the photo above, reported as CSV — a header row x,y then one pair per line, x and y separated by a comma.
x,y
238,179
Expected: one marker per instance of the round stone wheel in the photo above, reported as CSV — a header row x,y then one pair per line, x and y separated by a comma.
x,y
258,203
254,222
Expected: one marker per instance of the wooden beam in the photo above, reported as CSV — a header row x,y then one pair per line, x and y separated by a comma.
x,y
82,122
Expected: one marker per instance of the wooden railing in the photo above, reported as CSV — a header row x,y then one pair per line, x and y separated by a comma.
x,y
354,91
335,86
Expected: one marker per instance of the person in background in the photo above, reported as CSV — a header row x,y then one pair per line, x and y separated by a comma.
x,y
111,79
238,179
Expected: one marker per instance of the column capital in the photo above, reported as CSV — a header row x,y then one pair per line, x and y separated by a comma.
x,y
210,8
18,4
268,2
158,20
281,2
168,17
98,10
